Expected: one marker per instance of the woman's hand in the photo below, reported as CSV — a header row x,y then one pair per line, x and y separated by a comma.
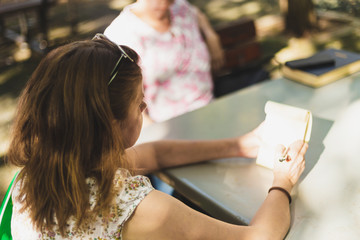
x,y
288,172
249,143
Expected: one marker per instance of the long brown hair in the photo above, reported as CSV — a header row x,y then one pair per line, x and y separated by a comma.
x,y
64,130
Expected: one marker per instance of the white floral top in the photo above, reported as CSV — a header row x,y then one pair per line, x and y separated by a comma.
x,y
131,190
175,64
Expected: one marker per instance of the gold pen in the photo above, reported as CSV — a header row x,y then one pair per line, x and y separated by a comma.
x,y
284,157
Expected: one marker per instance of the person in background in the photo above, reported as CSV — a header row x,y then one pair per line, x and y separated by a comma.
x,y
176,61
77,121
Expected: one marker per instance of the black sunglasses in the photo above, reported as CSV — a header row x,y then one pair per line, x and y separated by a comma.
x,y
123,55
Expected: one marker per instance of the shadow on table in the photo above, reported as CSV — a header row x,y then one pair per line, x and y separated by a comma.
x,y
320,130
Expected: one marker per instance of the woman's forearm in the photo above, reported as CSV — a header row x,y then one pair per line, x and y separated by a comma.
x,y
175,153
156,155
153,156
273,217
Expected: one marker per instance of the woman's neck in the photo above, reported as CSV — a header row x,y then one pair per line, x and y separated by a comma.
x,y
161,22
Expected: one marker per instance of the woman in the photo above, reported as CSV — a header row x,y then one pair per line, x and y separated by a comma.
x,y
77,121
176,61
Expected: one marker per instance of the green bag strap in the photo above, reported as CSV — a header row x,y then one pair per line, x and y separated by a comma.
x,y
6,212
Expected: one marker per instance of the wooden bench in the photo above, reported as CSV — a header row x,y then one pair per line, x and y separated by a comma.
x,y
243,57
238,39
8,8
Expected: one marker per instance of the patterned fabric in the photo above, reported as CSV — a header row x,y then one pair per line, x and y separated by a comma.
x,y
131,190
175,64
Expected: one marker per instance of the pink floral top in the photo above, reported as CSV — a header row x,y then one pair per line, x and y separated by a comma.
x,y
175,64
131,190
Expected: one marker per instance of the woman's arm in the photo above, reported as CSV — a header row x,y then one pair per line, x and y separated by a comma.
x,y
276,206
212,40
160,216
153,156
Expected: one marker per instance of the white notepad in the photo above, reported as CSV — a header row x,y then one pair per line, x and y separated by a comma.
x,y
284,125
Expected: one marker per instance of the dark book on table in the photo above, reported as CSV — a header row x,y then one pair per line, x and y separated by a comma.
x,y
323,67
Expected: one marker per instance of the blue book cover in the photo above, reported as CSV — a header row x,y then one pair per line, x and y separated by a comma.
x,y
323,67
336,59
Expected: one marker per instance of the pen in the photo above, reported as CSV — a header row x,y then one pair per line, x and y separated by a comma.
x,y
284,157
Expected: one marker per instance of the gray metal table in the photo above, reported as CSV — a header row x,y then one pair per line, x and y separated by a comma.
x,y
326,200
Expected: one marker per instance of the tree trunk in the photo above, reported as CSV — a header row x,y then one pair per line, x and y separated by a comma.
x,y
73,13
299,15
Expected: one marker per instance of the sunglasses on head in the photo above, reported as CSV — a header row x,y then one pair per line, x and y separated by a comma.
x,y
123,55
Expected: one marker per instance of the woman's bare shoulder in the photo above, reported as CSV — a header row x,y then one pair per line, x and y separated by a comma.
x,y
160,216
